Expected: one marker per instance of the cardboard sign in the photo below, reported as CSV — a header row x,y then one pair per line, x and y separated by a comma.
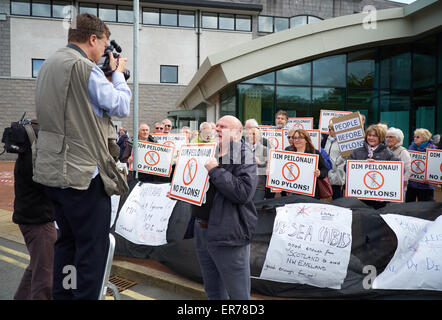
x,y
292,171
274,138
417,262
301,123
154,158
433,171
378,180
315,135
418,165
325,118
144,217
172,140
189,180
349,133
310,244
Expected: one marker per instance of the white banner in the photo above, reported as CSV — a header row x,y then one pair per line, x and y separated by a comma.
x,y
292,171
433,172
301,123
274,138
190,177
310,244
378,180
417,262
144,217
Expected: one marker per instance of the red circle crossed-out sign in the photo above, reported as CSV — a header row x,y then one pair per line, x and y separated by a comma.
x,y
298,126
417,167
373,180
274,143
169,143
189,172
290,171
152,158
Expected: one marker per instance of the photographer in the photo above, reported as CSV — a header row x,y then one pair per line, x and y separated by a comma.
x,y
74,103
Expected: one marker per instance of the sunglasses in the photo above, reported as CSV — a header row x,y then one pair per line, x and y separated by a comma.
x,y
159,128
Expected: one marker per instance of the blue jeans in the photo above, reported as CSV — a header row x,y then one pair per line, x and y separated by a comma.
x,y
225,270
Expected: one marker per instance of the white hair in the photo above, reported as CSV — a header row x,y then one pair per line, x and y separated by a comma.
x,y
398,134
205,124
252,122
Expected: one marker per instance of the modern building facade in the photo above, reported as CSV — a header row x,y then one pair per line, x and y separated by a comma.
x,y
175,38
388,68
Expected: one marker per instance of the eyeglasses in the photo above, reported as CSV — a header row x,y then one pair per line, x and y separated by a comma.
x,y
167,125
390,137
295,138
159,128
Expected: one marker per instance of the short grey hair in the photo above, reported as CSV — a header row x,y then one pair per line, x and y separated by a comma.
x,y
205,124
398,134
252,122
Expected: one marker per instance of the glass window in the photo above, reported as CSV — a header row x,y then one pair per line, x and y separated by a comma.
x,y
257,102
265,24
293,99
58,7
107,12
366,102
36,64
169,17
395,67
41,8
298,21
395,109
243,23
227,21
312,19
125,14
228,101
296,75
21,7
424,103
209,20
265,78
326,99
361,68
329,71
439,59
88,8
281,24
424,63
169,74
151,16
186,19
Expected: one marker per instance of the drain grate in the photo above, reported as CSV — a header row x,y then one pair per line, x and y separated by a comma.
x,y
121,284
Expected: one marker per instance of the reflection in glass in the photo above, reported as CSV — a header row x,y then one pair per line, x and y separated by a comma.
x,y
265,24
364,101
41,8
329,71
36,64
186,19
88,8
169,18
58,7
151,16
227,21
293,98
265,78
107,12
424,63
210,20
326,99
296,75
395,67
256,101
281,24
169,74
361,68
228,101
298,21
21,7
243,23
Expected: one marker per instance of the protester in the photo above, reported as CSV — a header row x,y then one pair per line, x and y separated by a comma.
x,y
143,135
34,214
336,174
281,119
223,236
301,142
254,140
188,133
395,138
422,191
204,135
158,127
167,125
74,101
374,149
122,142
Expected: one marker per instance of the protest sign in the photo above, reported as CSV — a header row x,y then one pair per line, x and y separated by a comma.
x,y
417,166
154,158
375,180
292,171
175,140
300,123
417,262
189,180
274,138
310,244
144,217
349,133
433,166
325,118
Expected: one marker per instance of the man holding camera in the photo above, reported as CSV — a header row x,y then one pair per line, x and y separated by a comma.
x,y
74,103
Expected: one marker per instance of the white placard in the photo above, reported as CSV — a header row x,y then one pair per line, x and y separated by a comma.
x,y
292,171
325,118
375,180
115,202
300,123
154,158
190,177
417,262
349,133
144,217
433,171
274,138
417,166
175,140
310,244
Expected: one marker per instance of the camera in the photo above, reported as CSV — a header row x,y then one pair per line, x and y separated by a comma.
x,y
103,63
16,138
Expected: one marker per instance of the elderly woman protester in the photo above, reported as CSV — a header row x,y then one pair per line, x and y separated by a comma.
x,y
336,174
301,142
422,191
394,139
374,150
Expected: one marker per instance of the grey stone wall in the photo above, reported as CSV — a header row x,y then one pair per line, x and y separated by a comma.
x,y
5,47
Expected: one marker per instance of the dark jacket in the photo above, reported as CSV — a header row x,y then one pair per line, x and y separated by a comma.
x,y
382,153
233,216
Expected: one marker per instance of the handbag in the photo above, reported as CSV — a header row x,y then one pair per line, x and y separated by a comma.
x,y
325,188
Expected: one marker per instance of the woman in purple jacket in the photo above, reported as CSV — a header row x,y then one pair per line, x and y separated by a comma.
x,y
421,191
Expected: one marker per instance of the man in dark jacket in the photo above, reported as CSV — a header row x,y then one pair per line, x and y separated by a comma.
x,y
223,240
